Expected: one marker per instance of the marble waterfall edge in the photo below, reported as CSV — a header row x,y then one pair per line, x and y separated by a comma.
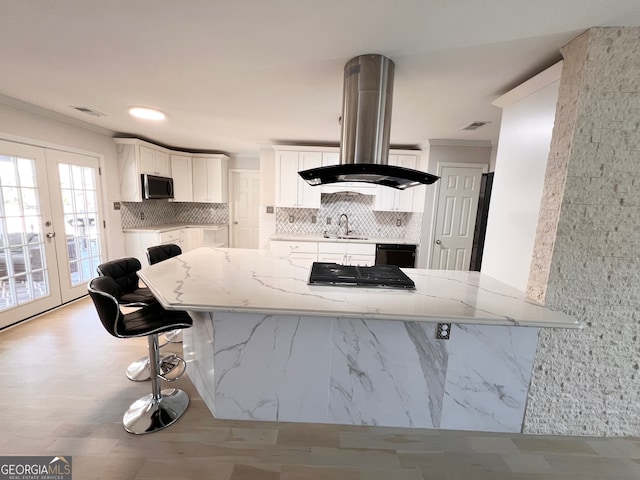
x,y
360,372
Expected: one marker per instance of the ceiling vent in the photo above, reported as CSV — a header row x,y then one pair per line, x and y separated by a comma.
x,y
89,111
475,125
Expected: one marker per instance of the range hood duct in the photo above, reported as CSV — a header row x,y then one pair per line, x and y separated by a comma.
x,y
366,124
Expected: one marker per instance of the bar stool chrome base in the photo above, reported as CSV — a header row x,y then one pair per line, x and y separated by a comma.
x,y
139,371
148,414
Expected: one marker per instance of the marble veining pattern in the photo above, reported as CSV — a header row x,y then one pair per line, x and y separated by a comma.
x,y
379,375
360,372
488,377
270,367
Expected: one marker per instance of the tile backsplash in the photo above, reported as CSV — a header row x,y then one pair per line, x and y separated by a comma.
x,y
158,212
363,220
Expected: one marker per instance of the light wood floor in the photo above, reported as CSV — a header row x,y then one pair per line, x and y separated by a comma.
x,y
65,393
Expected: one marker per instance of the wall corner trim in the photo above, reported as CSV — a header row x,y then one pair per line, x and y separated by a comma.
x,y
535,83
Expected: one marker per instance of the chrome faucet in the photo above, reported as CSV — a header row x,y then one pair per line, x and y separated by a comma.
x,y
346,223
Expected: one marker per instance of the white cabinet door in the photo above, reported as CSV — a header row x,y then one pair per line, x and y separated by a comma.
x,y
181,168
191,238
154,162
291,189
286,181
308,196
218,236
332,258
333,252
362,254
394,200
210,179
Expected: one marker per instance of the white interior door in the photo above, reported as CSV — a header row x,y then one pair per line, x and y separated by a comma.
x,y
457,205
28,265
245,207
75,193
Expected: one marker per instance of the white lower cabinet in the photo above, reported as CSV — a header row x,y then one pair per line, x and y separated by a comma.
x,y
347,253
136,243
344,253
187,238
306,252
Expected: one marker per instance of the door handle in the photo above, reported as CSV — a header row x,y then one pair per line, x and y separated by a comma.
x,y
51,234
438,242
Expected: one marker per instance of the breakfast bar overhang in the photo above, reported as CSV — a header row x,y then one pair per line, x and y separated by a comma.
x,y
266,345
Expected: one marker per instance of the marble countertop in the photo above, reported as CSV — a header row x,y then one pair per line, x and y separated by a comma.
x,y
256,281
315,237
173,226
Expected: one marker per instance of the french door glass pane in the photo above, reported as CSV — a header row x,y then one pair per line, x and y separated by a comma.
x,y
23,270
81,220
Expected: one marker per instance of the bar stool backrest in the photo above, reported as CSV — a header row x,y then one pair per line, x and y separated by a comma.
x,y
160,253
103,291
123,272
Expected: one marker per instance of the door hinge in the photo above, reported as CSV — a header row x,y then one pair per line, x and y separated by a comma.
x,y
104,224
99,170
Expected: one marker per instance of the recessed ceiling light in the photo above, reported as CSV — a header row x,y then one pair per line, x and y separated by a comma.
x,y
146,113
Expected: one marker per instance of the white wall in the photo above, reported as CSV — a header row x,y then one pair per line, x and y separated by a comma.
x,y
523,148
445,151
26,123
267,195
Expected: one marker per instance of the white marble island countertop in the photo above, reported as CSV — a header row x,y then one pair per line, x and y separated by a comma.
x,y
255,281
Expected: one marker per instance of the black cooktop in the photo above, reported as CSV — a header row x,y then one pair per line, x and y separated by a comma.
x,y
387,276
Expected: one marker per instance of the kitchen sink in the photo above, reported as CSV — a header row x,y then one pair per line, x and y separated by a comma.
x,y
345,237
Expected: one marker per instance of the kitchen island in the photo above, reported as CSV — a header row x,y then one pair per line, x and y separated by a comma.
x,y
266,345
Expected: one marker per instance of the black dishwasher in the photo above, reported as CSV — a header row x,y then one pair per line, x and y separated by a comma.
x,y
396,254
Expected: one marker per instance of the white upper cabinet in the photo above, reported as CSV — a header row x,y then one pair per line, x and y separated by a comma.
x,y
394,200
291,189
136,157
211,179
196,177
154,162
181,168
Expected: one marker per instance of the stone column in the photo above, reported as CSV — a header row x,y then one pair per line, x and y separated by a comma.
x,y
586,258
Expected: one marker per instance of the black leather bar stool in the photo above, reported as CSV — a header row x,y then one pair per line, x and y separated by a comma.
x,y
129,294
160,253
161,408
157,254
124,272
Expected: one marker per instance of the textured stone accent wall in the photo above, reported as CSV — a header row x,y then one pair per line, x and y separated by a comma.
x,y
586,258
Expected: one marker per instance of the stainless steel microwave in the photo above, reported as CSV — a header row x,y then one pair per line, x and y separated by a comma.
x,y
156,187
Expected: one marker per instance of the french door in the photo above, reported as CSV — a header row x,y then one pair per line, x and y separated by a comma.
x,y
51,235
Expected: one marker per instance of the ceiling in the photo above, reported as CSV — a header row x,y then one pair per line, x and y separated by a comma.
x,y
235,75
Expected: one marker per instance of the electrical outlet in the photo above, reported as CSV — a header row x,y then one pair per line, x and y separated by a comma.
x,y
141,215
269,209
291,218
398,223
444,331
116,205
314,219
328,220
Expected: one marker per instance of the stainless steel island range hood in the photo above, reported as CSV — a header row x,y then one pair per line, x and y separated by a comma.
x,y
366,124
